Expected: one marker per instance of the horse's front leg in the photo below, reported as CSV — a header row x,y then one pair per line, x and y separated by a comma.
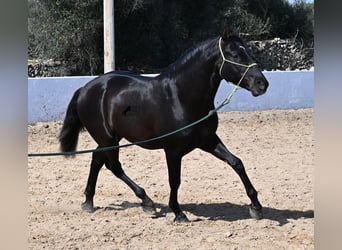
x,y
214,146
174,170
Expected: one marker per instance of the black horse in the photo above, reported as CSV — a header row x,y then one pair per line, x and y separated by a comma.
x,y
121,104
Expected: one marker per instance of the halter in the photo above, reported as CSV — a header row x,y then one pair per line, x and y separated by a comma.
x,y
224,59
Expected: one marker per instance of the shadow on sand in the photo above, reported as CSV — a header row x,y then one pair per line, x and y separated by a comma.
x,y
221,211
233,212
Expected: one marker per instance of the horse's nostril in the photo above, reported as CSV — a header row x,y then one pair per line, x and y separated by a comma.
x,y
261,84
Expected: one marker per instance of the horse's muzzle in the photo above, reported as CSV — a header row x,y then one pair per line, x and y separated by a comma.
x,y
259,87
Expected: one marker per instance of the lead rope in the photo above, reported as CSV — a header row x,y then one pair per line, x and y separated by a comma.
x,y
211,112
69,153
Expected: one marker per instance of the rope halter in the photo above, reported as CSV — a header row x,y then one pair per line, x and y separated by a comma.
x,y
224,59
236,86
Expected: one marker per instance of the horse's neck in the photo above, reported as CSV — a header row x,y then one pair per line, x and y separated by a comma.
x,y
196,77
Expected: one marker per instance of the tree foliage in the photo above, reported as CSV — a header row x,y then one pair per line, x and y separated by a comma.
x,y
69,31
150,34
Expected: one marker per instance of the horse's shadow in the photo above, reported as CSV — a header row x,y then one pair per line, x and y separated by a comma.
x,y
221,211
232,212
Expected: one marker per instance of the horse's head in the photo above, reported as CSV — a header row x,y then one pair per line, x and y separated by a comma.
x,y
237,66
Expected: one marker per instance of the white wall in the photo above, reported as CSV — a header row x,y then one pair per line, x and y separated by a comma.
x,y
48,97
287,90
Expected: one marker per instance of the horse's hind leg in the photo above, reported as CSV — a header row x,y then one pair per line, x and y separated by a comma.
x,y
97,162
217,148
115,166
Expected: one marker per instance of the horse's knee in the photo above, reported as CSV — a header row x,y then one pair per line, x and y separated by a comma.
x,y
174,184
116,169
236,164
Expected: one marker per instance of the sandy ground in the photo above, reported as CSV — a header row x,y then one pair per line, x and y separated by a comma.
x,y
277,148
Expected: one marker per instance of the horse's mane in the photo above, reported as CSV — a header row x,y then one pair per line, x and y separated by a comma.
x,y
187,56
195,52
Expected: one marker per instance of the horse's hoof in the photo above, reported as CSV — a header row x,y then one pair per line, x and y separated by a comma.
x,y
148,206
181,218
88,207
255,213
149,210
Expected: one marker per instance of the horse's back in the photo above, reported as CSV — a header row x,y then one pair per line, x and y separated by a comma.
x,y
112,83
115,103
116,79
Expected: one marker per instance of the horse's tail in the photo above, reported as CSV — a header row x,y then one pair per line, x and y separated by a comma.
x,y
72,125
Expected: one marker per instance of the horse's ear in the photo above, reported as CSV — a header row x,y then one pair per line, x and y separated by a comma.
x,y
225,33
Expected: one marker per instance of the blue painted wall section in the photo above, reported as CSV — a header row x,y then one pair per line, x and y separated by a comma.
x,y
48,97
287,90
